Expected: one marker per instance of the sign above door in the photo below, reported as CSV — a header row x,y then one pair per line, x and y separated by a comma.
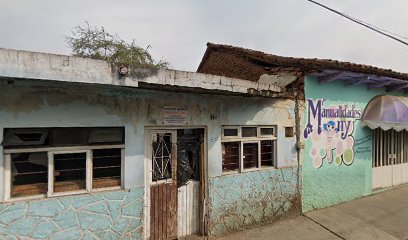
x,y
175,115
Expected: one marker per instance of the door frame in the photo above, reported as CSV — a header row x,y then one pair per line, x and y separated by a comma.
x,y
148,131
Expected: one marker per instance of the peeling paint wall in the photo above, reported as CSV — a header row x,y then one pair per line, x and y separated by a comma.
x,y
253,198
26,104
334,183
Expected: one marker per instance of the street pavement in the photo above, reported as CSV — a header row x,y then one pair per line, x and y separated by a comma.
x,y
381,216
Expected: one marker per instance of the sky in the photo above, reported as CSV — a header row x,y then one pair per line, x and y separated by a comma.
x,y
178,30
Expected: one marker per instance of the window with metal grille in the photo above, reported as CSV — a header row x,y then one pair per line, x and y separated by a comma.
x,y
106,167
53,165
389,147
29,174
161,160
230,156
252,148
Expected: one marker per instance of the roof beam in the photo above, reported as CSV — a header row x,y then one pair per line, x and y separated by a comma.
x,y
359,80
378,84
330,77
396,87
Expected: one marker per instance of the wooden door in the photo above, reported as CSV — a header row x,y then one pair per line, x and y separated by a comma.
x,y
163,188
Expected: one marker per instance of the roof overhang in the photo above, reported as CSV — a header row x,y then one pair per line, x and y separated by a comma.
x,y
372,81
223,59
386,112
61,69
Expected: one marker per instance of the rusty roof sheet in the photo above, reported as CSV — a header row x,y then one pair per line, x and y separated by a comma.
x,y
237,62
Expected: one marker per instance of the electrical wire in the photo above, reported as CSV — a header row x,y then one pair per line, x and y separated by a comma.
x,y
381,31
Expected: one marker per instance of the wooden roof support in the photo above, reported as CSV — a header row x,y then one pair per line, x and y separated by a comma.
x,y
330,77
359,80
397,87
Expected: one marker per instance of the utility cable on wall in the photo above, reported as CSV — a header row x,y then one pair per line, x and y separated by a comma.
x,y
381,31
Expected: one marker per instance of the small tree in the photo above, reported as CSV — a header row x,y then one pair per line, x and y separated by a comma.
x,y
95,42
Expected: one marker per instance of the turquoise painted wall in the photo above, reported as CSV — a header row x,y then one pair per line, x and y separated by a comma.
x,y
109,215
331,184
253,198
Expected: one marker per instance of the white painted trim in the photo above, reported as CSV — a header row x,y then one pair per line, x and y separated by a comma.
x,y
50,155
122,168
242,156
51,178
230,127
259,154
94,190
69,193
146,227
241,153
89,171
20,199
266,135
50,174
248,139
7,177
162,181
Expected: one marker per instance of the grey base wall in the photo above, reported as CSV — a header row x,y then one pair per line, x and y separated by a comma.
x,y
108,215
243,200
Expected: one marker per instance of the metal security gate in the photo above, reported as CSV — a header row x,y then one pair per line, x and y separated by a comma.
x,y
390,158
163,188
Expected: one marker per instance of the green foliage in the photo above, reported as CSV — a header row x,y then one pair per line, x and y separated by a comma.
x,y
95,42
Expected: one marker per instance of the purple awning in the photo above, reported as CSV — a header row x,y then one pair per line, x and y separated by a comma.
x,y
386,112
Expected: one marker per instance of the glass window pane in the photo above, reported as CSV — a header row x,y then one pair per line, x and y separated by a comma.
x,y
289,132
106,135
267,131
14,137
230,156
69,172
106,167
267,153
60,137
250,155
29,174
161,159
249,132
230,132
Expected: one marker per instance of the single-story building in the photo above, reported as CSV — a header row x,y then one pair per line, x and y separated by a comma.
x,y
88,152
354,120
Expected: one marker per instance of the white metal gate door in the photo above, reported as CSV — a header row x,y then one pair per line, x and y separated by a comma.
x,y
390,158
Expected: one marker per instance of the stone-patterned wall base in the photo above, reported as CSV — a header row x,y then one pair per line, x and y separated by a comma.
x,y
253,198
107,215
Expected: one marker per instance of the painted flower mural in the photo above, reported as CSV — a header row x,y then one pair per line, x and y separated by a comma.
x,y
330,130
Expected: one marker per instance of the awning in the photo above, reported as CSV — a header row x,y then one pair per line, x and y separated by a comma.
x,y
386,112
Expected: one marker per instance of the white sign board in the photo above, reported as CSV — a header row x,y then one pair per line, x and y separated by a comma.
x,y
175,115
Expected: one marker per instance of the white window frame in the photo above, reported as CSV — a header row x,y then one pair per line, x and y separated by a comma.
x,y
258,139
242,169
232,127
266,135
50,153
51,171
257,132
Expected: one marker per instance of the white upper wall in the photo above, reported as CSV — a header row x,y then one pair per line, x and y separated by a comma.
x,y
53,67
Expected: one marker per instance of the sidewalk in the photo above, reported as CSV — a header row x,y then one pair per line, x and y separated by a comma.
x,y
381,216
